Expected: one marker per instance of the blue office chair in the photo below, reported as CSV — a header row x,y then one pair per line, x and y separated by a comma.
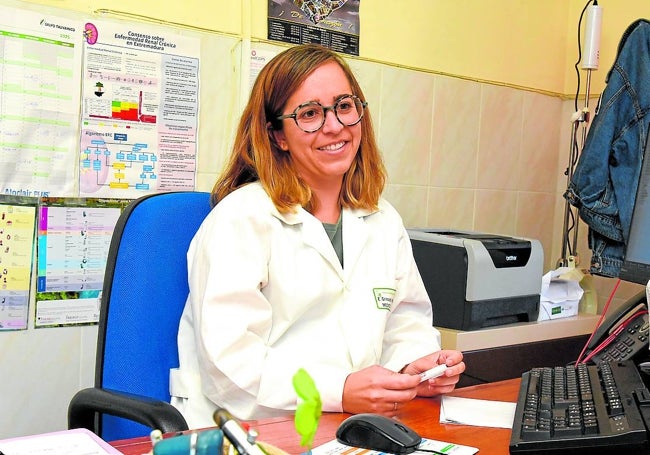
x,y
145,288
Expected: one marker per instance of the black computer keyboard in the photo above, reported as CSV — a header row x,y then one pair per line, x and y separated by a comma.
x,y
594,409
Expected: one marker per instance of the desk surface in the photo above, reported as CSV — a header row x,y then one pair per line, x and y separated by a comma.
x,y
422,414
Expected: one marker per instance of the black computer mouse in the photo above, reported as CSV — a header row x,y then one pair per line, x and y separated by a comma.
x,y
376,432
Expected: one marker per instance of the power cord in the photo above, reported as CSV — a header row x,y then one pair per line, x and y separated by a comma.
x,y
607,341
571,223
600,321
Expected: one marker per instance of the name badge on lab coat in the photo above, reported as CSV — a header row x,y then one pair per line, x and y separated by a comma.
x,y
384,297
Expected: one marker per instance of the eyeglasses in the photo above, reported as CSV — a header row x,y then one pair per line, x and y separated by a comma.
x,y
310,116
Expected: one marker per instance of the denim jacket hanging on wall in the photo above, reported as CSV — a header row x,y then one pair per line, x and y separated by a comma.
x,y
603,186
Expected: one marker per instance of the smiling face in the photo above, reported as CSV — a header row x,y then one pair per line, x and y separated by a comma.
x,y
321,158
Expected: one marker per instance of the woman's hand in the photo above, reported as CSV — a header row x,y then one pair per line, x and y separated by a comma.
x,y
378,390
444,383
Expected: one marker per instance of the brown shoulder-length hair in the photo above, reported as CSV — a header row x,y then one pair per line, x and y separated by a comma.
x,y
256,156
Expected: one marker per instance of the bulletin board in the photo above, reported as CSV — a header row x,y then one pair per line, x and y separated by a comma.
x,y
96,111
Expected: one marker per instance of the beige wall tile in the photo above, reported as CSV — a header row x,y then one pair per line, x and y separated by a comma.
x,y
451,208
604,287
538,166
535,214
410,202
405,124
454,145
495,212
499,137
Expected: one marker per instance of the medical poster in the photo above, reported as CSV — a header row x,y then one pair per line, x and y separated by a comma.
x,y
332,23
40,62
17,222
140,106
73,239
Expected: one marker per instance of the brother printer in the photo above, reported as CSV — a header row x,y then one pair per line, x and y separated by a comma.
x,y
478,280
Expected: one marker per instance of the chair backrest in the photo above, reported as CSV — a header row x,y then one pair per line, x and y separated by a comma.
x,y
145,288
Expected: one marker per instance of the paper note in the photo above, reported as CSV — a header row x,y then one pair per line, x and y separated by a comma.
x,y
480,413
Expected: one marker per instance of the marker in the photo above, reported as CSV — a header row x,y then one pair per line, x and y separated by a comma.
x,y
434,372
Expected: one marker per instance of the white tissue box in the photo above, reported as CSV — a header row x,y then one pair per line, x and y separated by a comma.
x,y
557,310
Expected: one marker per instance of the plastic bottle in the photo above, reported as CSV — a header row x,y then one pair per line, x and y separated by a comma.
x,y
589,301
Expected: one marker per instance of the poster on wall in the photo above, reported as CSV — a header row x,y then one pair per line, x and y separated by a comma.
x,y
332,23
73,239
259,58
140,103
40,62
17,222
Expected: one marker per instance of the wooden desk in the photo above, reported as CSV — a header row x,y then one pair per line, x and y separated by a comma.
x,y
422,414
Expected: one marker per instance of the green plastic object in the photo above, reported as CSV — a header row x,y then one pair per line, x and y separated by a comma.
x,y
309,409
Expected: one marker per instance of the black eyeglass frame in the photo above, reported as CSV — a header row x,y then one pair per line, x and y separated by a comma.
x,y
332,108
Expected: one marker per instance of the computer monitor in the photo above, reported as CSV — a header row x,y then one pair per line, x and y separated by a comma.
x,y
636,264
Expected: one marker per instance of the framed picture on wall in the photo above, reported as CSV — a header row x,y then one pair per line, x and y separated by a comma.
x,y
332,23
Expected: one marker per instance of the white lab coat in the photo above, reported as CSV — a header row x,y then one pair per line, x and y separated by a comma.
x,y
268,296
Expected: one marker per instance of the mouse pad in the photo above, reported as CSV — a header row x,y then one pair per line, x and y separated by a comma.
x,y
335,447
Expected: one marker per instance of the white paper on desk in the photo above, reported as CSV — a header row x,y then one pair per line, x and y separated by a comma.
x,y
69,442
479,413
334,447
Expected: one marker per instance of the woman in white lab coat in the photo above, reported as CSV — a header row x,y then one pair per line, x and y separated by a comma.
x,y
301,264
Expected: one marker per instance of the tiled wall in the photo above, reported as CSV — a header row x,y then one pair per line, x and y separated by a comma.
x,y
467,155
476,156
460,154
